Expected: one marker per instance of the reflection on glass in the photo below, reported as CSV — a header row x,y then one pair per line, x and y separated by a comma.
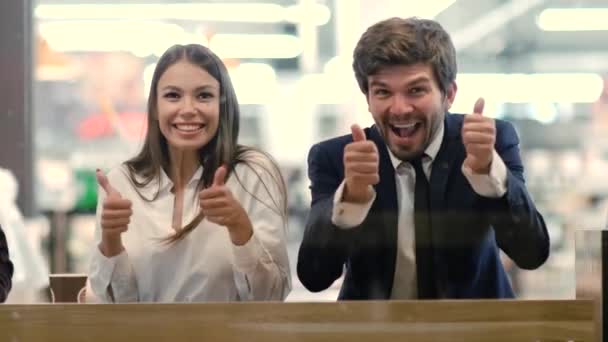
x,y
90,102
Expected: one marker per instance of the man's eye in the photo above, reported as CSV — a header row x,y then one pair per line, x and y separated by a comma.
x,y
417,90
380,92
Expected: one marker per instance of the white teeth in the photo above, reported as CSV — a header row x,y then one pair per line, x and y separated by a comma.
x,y
188,127
406,125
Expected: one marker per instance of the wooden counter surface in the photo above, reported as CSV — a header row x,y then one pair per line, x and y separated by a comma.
x,y
491,320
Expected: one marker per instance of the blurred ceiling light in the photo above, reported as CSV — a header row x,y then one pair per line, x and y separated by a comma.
x,y
426,9
526,88
256,45
130,36
135,37
545,112
215,12
339,65
573,19
324,89
315,14
254,83
253,71
235,12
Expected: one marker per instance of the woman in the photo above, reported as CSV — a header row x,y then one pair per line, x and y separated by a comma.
x,y
194,216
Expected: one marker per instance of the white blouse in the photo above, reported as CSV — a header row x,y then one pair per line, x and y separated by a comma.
x,y
205,265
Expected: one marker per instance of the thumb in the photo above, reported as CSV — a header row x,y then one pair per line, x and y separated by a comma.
x,y
105,184
358,134
478,108
220,176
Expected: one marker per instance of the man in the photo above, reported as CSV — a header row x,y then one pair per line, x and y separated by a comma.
x,y
6,268
418,205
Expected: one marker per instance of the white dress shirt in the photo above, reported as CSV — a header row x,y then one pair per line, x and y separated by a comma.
x,y
205,265
349,215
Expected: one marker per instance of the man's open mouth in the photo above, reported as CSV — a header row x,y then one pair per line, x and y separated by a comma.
x,y
405,130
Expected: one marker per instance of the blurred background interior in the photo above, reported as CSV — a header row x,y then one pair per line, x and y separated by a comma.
x,y
541,64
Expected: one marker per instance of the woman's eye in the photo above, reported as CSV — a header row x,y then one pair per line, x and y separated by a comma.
x,y
205,95
171,95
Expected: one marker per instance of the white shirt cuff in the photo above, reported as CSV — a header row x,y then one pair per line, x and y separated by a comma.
x,y
247,256
492,185
114,271
348,215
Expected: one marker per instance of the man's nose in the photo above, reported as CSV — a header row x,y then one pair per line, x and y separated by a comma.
x,y
400,105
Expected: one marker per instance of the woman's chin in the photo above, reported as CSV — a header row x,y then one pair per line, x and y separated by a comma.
x,y
188,146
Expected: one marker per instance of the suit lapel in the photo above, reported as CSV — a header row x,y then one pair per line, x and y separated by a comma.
x,y
385,205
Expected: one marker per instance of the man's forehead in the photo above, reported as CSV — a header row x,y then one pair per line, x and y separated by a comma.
x,y
402,74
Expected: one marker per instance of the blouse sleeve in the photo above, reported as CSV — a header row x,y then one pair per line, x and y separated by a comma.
x,y
261,266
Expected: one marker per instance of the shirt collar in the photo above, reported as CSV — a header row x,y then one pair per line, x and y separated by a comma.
x,y
431,150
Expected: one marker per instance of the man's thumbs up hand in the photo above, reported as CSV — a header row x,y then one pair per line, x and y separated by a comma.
x,y
478,137
360,167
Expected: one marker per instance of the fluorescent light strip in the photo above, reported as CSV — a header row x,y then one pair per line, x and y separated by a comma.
x,y
325,89
216,12
573,19
506,88
234,12
426,9
256,45
134,37
254,83
527,88
131,36
315,14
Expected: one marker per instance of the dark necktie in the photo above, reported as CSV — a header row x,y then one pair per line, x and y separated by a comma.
x,y
424,247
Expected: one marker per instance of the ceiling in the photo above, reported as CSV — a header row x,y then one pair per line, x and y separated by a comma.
x,y
503,35
490,35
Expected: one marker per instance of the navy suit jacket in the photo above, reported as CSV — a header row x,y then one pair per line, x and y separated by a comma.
x,y
467,229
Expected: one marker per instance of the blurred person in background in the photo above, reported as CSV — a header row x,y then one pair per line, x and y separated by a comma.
x,y
195,216
6,268
418,205
26,273
597,142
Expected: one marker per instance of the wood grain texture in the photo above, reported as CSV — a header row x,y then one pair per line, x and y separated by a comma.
x,y
484,320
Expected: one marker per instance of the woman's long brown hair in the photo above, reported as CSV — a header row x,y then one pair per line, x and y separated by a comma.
x,y
222,149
